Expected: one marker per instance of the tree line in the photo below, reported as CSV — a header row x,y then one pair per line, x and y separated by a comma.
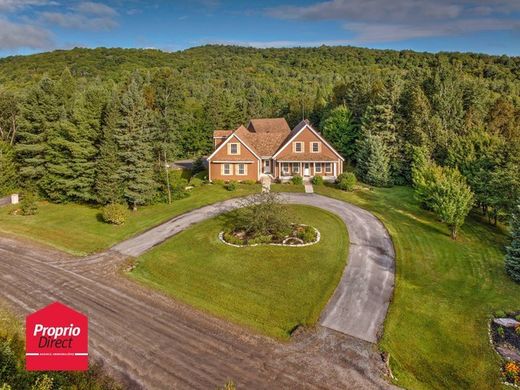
x,y
98,125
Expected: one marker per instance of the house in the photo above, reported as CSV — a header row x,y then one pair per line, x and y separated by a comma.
x,y
270,147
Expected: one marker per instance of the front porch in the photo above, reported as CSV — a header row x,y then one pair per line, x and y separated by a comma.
x,y
285,170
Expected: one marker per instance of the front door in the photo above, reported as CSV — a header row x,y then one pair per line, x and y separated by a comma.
x,y
306,170
267,166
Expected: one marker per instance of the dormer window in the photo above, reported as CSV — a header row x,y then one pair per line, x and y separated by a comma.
x,y
233,148
298,147
315,147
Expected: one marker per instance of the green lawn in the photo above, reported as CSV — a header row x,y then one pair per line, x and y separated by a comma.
x,y
77,229
436,329
268,288
287,187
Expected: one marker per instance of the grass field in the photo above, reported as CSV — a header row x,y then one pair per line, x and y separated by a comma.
x,y
268,288
77,229
436,329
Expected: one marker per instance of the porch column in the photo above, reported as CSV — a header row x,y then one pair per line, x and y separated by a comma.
x,y
313,169
301,170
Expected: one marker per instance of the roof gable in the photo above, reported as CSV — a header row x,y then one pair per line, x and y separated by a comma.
x,y
241,135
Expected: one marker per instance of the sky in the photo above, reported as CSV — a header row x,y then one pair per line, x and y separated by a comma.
x,y
486,26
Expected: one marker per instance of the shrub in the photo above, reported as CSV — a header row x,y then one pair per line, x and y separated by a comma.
x,y
232,239
347,181
114,213
517,317
262,239
297,179
501,332
203,175
219,182
317,180
29,204
249,182
198,165
500,314
231,186
308,234
196,182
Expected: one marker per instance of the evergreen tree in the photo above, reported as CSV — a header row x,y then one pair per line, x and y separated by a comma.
x,y
373,163
512,259
339,129
8,175
134,146
108,185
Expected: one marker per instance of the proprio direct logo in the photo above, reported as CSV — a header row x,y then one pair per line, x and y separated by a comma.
x,y
56,339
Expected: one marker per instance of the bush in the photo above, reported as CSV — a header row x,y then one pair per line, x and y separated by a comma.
x,y
114,213
297,179
517,317
203,175
230,238
501,332
219,182
262,239
500,314
308,234
196,182
249,182
231,186
317,180
29,204
198,165
347,181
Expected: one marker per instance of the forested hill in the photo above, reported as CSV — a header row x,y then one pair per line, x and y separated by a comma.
x,y
74,122
114,63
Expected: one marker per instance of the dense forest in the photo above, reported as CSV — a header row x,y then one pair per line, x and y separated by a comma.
x,y
97,125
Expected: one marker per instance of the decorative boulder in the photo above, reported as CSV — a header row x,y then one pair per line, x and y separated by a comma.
x,y
506,322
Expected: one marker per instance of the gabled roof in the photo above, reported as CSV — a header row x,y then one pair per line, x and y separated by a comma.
x,y
238,133
269,125
222,133
299,127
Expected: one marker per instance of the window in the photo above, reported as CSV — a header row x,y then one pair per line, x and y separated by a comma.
x,y
226,169
317,168
296,167
233,148
298,147
328,167
315,147
241,169
285,168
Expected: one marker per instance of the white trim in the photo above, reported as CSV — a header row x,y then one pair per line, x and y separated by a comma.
x,y
302,149
315,143
226,141
321,161
232,162
223,169
230,145
237,169
316,133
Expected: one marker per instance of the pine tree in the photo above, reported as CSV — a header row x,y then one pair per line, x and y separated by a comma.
x,y
373,163
134,146
109,186
8,175
39,112
339,128
512,260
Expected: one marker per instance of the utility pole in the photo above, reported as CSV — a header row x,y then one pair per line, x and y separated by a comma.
x,y
167,178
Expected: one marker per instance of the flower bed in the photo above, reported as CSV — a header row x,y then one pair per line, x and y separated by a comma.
x,y
505,337
301,235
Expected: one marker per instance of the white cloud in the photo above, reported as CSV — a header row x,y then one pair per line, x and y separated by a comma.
x,y
15,5
84,16
16,35
383,20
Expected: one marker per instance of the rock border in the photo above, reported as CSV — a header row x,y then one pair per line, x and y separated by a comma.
x,y
502,358
318,238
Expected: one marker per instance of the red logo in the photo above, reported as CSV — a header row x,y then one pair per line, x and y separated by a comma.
x,y
56,339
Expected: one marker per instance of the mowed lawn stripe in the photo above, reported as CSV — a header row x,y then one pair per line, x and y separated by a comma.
x,y
436,327
79,230
268,288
